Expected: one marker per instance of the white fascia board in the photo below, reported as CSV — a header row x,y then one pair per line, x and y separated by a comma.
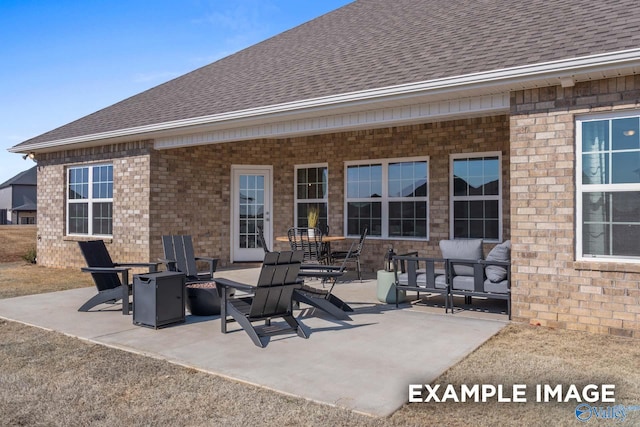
x,y
454,85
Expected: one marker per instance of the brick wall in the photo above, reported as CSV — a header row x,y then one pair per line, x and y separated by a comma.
x,y
191,190
549,287
131,166
188,190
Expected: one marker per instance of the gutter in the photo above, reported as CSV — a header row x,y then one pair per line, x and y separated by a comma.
x,y
563,70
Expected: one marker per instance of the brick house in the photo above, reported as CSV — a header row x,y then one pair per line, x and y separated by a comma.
x,y
18,196
423,119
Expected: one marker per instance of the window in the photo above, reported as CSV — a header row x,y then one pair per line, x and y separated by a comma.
x,y
390,197
476,196
311,192
90,200
608,187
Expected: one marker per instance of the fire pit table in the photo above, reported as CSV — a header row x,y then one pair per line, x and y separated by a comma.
x,y
203,299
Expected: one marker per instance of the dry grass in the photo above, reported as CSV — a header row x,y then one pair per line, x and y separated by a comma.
x,y
16,241
52,379
21,278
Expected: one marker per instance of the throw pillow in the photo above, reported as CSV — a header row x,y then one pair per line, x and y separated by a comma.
x,y
502,252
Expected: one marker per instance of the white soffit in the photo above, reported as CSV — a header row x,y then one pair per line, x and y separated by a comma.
x,y
307,124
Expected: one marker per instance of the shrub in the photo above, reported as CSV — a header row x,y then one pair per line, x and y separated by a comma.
x,y
30,256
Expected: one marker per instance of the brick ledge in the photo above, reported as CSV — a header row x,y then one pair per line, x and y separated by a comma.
x,y
607,266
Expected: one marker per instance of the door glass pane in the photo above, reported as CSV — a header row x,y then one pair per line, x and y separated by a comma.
x,y
251,209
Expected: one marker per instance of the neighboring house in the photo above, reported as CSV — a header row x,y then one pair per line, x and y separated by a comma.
x,y
18,197
424,120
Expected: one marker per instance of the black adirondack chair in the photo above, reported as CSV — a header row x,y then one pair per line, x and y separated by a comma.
x,y
322,298
106,275
270,299
179,256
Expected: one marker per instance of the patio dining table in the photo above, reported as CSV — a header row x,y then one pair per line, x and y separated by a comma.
x,y
325,239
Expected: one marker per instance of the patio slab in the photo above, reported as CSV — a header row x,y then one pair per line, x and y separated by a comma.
x,y
359,364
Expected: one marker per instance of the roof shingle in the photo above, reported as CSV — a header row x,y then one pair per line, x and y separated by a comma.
x,y
369,44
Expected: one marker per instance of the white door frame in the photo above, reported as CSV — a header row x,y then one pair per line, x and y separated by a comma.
x,y
236,171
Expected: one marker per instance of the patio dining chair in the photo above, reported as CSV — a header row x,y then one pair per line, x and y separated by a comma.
x,y
262,240
352,256
107,275
270,299
309,241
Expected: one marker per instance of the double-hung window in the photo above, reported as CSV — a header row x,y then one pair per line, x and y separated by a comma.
x,y
311,193
608,187
390,197
90,200
476,196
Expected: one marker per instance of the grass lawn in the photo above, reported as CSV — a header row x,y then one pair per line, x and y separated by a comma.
x,y
52,379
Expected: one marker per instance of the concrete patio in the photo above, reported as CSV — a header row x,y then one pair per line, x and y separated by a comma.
x,y
362,365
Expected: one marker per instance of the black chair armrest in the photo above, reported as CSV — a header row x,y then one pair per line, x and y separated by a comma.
x,y
465,261
415,253
104,269
170,264
228,283
413,256
319,267
321,274
213,264
153,266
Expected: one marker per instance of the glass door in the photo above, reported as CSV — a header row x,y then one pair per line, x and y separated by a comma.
x,y
251,209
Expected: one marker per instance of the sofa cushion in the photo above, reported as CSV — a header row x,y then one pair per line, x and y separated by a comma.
x,y
496,288
501,252
441,281
470,249
421,280
463,283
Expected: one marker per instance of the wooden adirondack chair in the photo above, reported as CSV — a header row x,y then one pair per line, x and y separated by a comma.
x,y
322,298
269,299
179,256
105,274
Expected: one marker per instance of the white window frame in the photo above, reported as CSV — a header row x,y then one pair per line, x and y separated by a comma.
x,y
453,198
582,188
385,199
296,201
90,200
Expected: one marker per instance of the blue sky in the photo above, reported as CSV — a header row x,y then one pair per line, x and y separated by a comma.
x,y
61,60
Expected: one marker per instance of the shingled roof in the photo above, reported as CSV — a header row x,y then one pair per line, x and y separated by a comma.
x,y
371,44
28,177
